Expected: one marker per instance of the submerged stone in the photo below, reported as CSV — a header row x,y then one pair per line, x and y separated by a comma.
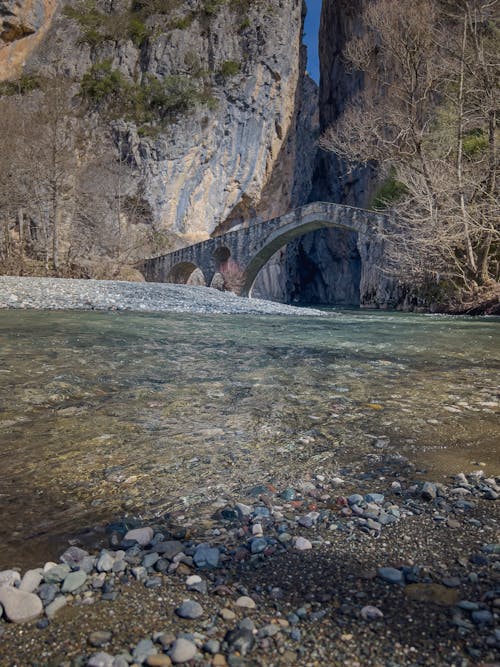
x,y
434,593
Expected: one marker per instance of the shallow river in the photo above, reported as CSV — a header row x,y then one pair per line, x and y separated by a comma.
x,y
104,415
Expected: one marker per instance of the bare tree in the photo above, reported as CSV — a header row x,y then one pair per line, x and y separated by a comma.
x,y
430,128
54,163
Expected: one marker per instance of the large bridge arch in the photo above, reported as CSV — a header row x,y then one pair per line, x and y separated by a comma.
x,y
279,238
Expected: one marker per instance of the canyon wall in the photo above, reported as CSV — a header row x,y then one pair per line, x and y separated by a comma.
x,y
334,266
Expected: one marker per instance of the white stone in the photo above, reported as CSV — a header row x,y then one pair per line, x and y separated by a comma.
x,y
142,536
302,544
193,579
31,580
105,562
48,566
9,577
370,613
100,659
20,606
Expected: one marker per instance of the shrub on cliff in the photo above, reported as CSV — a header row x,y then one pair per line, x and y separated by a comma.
x,y
153,101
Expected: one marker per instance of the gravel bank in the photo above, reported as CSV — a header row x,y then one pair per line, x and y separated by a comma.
x,y
389,571
63,294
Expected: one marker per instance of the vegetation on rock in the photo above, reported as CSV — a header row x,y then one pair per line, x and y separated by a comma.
x,y
151,101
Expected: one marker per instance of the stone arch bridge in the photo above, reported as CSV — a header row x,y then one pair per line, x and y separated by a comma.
x,y
240,254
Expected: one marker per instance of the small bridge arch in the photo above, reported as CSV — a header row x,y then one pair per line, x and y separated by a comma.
x,y
245,251
181,272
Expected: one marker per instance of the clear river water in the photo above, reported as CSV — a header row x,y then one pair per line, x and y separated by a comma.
x,y
104,415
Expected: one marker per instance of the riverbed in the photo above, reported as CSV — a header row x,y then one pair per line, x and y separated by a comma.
x,y
106,415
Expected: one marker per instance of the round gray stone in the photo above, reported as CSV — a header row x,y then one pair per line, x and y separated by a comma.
x,y
391,575
189,609
182,651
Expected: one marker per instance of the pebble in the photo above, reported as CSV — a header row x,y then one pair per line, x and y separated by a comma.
x,y
182,651
57,604
100,659
269,630
105,562
451,582
20,606
245,602
369,613
74,556
47,592
288,494
75,294
193,580
377,498
169,549
302,544
142,536
73,581
206,556
31,580
429,491
212,646
391,575
56,574
159,660
370,513
227,614
189,609
482,617
468,605
143,649
258,545
99,638
150,560
243,510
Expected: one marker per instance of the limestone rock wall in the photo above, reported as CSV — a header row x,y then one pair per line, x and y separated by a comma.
x,y
203,166
23,23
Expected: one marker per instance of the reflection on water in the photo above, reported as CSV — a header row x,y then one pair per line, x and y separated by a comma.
x,y
104,414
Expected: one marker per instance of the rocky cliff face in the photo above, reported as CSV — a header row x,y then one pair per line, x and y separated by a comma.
x,y
209,162
23,23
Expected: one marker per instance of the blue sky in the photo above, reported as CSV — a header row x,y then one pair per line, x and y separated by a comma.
x,y
311,37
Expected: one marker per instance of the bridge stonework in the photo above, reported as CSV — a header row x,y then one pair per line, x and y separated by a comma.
x,y
240,254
